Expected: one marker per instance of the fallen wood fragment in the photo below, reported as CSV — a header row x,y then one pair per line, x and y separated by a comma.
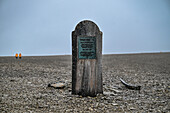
x,y
129,86
57,85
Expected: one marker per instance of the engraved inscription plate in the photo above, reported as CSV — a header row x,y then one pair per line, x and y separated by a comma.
x,y
87,47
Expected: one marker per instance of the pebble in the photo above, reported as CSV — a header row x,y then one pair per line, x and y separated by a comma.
x,y
114,104
109,94
132,108
116,91
29,92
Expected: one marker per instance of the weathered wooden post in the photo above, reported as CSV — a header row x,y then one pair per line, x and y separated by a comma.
x,y
87,59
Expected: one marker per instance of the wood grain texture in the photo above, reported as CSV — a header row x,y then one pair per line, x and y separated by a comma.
x,y
87,73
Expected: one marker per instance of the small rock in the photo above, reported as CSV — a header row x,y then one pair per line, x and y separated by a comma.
x,y
12,80
132,108
109,94
115,90
114,104
90,109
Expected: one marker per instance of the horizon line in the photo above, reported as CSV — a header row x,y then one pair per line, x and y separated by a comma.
x,y
109,53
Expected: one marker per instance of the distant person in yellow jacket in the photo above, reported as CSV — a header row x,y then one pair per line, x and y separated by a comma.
x,y
20,55
16,55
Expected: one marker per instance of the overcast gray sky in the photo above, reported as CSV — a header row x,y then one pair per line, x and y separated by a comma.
x,y
43,27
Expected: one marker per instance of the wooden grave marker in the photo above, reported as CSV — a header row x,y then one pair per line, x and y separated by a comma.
x,y
87,59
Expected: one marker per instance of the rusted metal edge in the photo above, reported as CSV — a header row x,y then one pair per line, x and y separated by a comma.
x,y
130,86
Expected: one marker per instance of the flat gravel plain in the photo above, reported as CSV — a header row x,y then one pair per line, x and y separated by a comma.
x,y
24,85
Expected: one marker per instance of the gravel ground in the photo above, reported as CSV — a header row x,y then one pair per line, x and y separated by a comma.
x,y
24,85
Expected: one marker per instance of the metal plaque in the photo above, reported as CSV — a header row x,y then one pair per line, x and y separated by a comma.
x,y
87,47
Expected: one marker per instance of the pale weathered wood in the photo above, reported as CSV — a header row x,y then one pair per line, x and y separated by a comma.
x,y
87,73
